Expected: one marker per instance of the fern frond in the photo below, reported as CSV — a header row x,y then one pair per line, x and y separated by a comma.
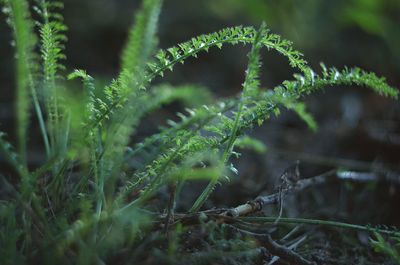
x,y
167,59
333,77
52,38
289,92
52,50
139,47
141,41
250,87
311,82
52,32
128,90
92,109
91,135
20,21
359,77
383,246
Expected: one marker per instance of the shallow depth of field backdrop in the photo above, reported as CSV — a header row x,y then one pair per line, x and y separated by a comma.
x,y
354,123
358,123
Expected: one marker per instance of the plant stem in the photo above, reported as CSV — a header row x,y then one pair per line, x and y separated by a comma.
x,y
286,220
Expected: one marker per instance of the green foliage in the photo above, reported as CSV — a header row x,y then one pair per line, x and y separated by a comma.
x,y
383,246
9,235
250,87
141,40
129,90
246,142
166,59
12,158
94,193
24,42
52,39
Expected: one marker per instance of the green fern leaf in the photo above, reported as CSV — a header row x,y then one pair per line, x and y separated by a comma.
x,y
128,88
52,39
25,40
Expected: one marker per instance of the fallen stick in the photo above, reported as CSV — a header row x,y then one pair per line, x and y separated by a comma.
x,y
258,203
277,249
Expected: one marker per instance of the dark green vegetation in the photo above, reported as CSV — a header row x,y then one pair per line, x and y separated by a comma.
x,y
99,199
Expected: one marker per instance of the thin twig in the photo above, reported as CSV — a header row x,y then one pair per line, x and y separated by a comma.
x,y
232,215
297,187
288,235
285,253
291,247
258,203
277,249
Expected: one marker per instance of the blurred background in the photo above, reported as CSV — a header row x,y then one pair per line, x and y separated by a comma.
x,y
357,128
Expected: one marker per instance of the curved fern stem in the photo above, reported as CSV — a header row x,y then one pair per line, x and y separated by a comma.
x,y
168,58
251,83
234,35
